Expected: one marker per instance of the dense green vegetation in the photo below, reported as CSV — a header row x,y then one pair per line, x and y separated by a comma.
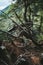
x,y
21,12
21,33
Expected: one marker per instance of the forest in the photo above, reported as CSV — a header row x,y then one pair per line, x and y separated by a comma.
x,y
21,33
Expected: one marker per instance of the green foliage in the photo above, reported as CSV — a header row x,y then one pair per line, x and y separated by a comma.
x,y
6,24
35,13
